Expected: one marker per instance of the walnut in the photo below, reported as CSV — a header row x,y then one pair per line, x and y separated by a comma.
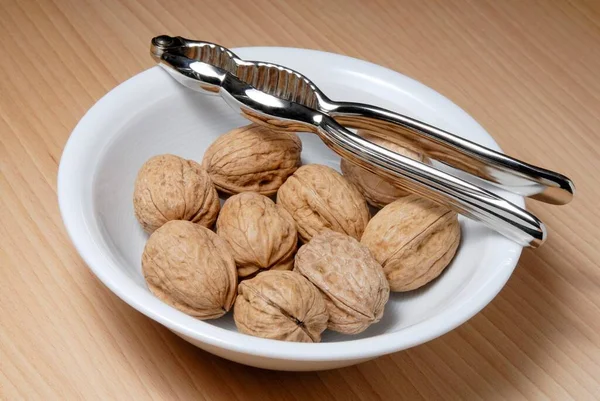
x,y
262,234
320,198
252,158
414,239
351,280
190,268
281,305
171,188
377,190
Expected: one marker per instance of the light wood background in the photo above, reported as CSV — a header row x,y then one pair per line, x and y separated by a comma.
x,y
527,70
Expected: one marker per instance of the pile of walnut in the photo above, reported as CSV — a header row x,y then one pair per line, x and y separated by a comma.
x,y
340,278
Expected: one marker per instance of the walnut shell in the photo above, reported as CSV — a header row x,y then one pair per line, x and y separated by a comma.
x,y
281,305
262,234
171,188
320,198
378,191
414,239
190,268
252,158
351,280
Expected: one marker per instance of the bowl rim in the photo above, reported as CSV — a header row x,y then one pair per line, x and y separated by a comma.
x,y
69,197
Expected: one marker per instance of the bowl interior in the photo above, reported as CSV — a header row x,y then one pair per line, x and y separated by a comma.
x,y
151,114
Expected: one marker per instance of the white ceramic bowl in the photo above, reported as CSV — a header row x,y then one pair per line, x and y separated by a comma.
x,y
152,114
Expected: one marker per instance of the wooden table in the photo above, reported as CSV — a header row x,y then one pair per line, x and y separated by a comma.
x,y
527,70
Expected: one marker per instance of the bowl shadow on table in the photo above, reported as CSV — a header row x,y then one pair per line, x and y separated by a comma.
x,y
462,357
502,351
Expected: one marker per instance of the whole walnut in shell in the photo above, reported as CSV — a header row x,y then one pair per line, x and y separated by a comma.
x,y
190,268
319,198
252,158
281,305
377,190
171,188
262,234
414,239
351,280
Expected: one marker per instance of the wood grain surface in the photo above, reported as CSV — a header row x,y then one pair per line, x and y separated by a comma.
x,y
527,70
